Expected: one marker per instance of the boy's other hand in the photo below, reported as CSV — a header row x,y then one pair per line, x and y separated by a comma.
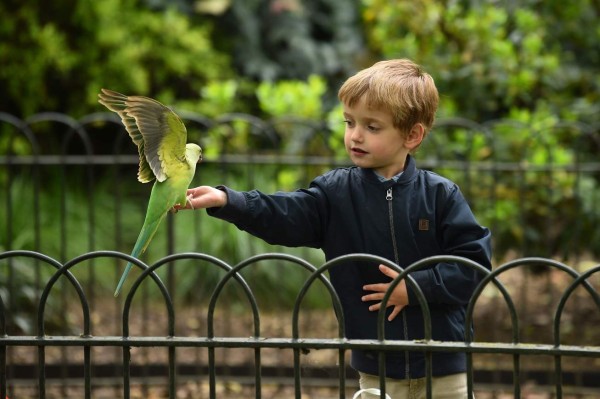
x,y
398,299
203,197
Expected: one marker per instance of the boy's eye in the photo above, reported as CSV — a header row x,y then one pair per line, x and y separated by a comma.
x,y
372,128
348,122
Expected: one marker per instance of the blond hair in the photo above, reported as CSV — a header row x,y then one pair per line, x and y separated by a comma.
x,y
400,87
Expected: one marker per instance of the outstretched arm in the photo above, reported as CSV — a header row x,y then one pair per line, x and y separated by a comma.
x,y
203,197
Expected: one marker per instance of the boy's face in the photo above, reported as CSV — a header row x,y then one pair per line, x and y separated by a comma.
x,y
373,142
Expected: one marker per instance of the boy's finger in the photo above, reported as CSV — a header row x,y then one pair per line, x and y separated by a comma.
x,y
372,297
375,307
376,287
394,313
388,271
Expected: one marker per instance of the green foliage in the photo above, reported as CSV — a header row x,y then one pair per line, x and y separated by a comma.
x,y
295,107
490,58
59,54
335,122
296,98
218,97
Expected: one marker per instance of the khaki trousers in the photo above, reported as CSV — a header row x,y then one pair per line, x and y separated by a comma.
x,y
446,387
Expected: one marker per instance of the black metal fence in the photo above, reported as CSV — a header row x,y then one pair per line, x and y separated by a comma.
x,y
559,374
71,210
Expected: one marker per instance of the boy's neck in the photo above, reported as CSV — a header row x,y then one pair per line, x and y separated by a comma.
x,y
393,177
394,172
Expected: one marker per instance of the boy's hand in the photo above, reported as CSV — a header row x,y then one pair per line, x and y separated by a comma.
x,y
398,299
203,197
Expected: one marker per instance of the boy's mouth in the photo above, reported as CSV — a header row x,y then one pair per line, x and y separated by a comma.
x,y
357,150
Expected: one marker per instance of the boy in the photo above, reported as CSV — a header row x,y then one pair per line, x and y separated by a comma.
x,y
383,206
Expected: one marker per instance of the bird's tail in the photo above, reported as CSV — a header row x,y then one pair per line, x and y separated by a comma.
x,y
146,234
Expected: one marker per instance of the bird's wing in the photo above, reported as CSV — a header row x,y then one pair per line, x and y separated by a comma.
x,y
157,131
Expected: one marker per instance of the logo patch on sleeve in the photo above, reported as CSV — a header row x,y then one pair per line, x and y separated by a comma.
x,y
423,224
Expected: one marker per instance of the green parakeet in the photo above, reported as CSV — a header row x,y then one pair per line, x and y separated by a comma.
x,y
164,156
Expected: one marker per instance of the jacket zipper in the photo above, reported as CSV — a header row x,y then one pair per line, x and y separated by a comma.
x,y
389,197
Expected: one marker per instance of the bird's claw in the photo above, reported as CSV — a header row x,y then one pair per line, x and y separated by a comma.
x,y
189,201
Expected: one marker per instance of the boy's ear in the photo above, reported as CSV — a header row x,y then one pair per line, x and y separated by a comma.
x,y
415,136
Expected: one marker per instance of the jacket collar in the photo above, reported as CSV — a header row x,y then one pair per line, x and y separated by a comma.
x,y
410,168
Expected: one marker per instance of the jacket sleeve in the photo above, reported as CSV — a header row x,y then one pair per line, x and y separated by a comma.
x,y
459,235
291,219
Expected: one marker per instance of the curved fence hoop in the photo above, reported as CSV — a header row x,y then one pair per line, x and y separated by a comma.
x,y
242,265
493,275
337,305
37,256
580,280
258,123
73,125
316,128
100,117
192,119
420,264
170,314
234,272
24,128
377,259
60,270
2,318
172,258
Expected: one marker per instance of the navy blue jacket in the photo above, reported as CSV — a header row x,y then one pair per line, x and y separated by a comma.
x,y
350,210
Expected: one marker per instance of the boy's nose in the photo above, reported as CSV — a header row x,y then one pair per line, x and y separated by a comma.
x,y
356,135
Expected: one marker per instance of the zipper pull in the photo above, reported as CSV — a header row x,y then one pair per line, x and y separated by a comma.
x,y
388,195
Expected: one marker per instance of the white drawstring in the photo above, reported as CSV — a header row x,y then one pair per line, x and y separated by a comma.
x,y
372,391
